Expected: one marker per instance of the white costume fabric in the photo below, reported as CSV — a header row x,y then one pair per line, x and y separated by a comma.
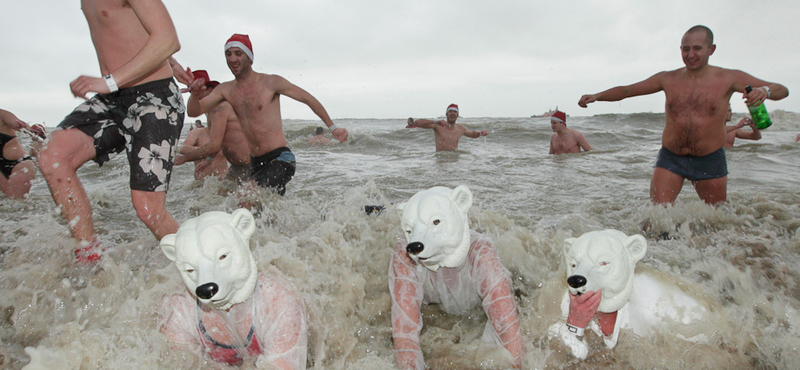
x,y
230,311
481,279
271,325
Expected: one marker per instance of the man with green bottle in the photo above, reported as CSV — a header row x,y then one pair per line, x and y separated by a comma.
x,y
697,96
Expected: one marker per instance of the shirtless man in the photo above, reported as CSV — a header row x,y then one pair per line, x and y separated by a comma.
x,y
446,133
226,137
216,166
565,140
735,131
17,169
319,137
255,98
697,96
138,108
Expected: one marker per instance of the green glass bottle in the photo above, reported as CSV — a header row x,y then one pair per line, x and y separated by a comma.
x,y
759,113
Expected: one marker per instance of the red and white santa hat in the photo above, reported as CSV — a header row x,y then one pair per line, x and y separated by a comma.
x,y
452,107
559,117
241,42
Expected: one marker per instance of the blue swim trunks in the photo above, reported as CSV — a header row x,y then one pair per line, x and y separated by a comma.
x,y
274,169
712,166
144,120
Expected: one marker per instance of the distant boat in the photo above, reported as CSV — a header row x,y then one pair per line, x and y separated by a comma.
x,y
549,113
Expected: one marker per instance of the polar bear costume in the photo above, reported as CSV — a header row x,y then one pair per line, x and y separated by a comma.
x,y
441,261
605,260
230,311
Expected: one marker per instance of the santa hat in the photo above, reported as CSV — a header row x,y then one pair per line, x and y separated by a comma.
x,y
559,116
452,107
241,42
201,73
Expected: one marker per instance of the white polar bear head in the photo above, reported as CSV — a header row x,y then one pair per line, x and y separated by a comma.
x,y
604,260
212,254
436,226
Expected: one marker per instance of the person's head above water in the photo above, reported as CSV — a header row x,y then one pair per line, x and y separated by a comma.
x,y
559,117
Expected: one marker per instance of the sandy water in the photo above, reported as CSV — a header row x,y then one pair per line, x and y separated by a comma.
x,y
743,256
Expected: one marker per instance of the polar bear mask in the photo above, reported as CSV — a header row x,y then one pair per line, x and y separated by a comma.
x,y
436,226
212,254
604,260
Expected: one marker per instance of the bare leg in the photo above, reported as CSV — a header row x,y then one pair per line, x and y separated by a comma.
x,y
67,151
664,186
151,208
712,191
19,183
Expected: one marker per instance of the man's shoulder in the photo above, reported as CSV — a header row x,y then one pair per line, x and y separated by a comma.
x,y
269,78
575,132
673,73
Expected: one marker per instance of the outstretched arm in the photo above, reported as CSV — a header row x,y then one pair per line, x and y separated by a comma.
x,y
648,86
422,123
284,87
475,134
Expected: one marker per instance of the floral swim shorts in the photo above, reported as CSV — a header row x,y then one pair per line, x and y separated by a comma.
x,y
144,120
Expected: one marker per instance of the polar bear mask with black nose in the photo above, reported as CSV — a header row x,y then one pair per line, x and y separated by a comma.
x,y
212,254
604,260
436,226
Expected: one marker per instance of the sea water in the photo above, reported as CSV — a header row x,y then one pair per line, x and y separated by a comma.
x,y
744,255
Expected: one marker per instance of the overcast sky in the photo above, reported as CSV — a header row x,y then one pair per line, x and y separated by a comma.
x,y
395,59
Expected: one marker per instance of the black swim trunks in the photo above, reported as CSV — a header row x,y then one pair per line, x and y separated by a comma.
x,y
144,120
7,165
274,169
712,166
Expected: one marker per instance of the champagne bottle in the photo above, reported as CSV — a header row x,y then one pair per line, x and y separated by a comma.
x,y
758,113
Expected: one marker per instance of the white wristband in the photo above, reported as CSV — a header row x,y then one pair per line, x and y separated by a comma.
x,y
576,330
112,84
333,127
768,91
